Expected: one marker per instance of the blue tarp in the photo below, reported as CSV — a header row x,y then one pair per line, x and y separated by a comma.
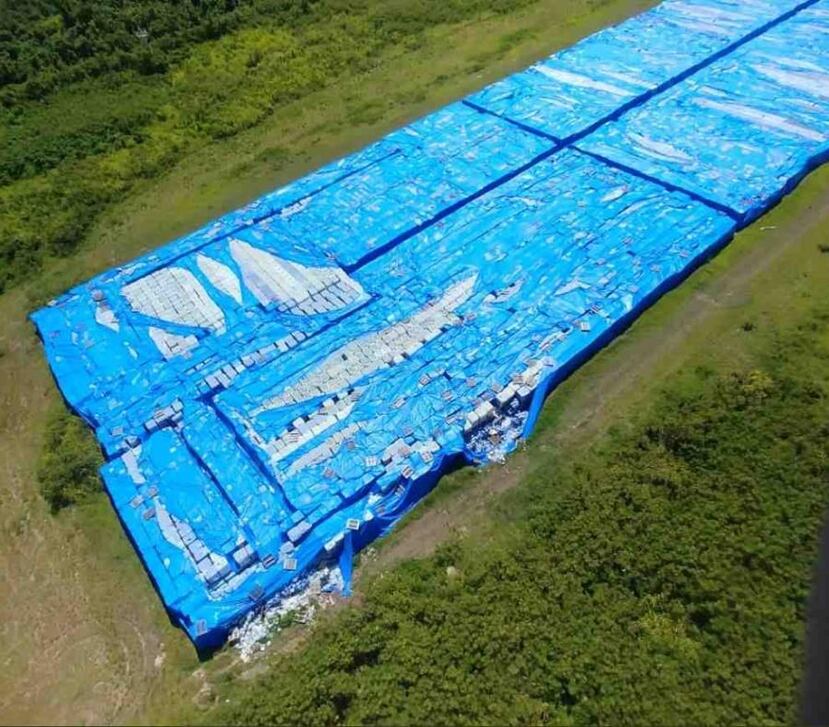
x,y
742,131
569,93
280,386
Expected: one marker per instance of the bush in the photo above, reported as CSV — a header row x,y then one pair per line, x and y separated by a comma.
x,y
69,462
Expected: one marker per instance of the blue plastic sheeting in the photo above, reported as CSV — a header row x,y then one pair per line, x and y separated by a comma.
x,y
742,131
117,366
241,490
572,91
281,386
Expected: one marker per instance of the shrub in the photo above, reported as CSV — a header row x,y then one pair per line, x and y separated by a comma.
x,y
68,467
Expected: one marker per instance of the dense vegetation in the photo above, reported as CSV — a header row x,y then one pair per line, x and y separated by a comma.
x,y
97,94
68,467
659,580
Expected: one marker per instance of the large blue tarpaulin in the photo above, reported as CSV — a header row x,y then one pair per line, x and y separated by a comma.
x,y
568,94
280,386
743,130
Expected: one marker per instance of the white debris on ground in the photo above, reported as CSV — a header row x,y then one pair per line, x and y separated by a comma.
x,y
493,442
299,602
368,555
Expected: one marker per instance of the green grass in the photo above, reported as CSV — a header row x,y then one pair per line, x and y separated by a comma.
x,y
68,467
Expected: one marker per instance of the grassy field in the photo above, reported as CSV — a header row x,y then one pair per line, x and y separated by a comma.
x,y
84,637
